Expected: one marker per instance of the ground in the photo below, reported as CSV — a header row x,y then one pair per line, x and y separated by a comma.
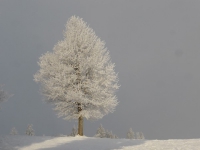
x,y
17,142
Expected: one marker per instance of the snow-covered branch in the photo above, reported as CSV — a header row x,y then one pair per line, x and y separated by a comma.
x,y
78,74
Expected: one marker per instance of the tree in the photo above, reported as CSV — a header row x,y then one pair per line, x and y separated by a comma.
x,y
3,95
13,131
78,77
109,134
100,132
114,136
137,135
141,135
130,134
29,130
74,131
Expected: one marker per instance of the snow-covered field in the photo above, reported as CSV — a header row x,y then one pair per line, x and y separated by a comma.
x,y
17,142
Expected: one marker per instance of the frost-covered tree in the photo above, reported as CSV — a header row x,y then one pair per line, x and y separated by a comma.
x,y
78,77
130,134
109,134
13,131
74,131
3,95
115,136
29,130
101,133
137,135
141,135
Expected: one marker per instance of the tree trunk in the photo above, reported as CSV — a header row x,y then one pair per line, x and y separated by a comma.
x,y
80,119
80,126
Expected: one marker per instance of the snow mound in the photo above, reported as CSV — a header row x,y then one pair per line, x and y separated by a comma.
x,y
18,142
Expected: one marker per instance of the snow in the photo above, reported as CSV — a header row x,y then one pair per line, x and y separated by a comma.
x,y
18,142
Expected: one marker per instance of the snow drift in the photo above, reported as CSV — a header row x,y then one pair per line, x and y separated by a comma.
x,y
18,142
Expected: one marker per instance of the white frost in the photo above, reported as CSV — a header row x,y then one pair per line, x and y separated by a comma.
x,y
79,74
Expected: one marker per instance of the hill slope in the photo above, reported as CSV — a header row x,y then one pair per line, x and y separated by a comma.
x,y
90,143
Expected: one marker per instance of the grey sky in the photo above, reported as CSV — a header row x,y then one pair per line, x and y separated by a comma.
x,y
154,44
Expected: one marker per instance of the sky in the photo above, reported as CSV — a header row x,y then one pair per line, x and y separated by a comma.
x,y
154,45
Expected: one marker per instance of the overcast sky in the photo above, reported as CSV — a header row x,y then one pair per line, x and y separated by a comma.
x,y
154,44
